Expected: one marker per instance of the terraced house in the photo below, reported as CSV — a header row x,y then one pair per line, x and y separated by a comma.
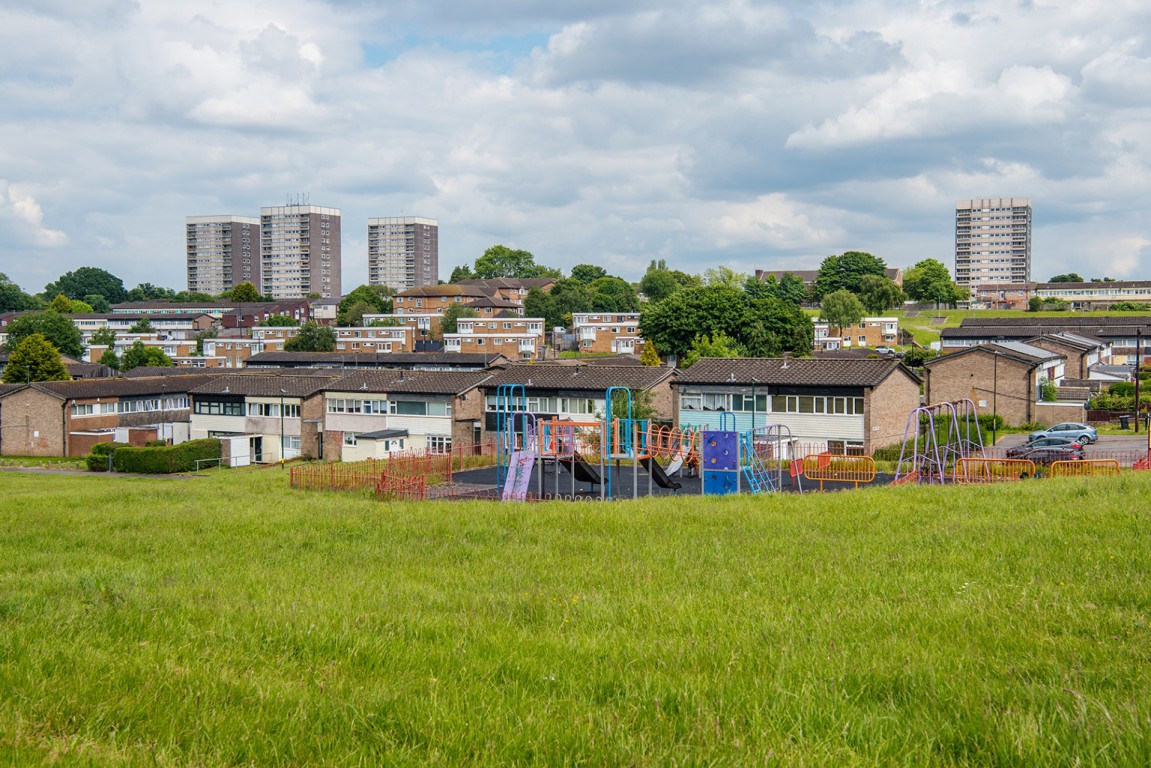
x,y
614,333
370,414
66,418
513,337
840,405
269,416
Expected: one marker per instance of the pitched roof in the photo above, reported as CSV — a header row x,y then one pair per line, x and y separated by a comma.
x,y
510,282
410,360
121,387
1071,340
268,384
803,371
1023,353
1068,321
415,382
451,289
169,370
494,302
581,377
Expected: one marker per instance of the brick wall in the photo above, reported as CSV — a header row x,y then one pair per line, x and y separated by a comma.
x,y
312,410
34,424
886,409
975,375
464,414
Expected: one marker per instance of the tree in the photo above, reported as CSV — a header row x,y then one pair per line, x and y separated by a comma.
x,y
844,272
879,294
658,284
538,303
929,280
244,292
110,359
149,292
86,280
1034,304
98,303
278,321
773,326
312,338
723,276
792,288
674,323
463,272
143,325
55,327
377,297
587,273
354,315
13,299
650,356
103,337
501,261
35,359
570,296
1070,277
716,345
841,308
139,355
186,297
760,289
453,313
611,294
61,304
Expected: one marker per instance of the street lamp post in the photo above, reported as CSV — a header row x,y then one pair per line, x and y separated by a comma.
x,y
281,427
995,399
754,402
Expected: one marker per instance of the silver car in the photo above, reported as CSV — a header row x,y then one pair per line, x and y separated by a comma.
x,y
1084,434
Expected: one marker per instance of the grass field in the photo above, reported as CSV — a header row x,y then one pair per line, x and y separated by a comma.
x,y
224,620
924,327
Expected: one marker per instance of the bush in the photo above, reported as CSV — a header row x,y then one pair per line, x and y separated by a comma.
x,y
97,462
156,460
103,449
990,421
1122,389
156,444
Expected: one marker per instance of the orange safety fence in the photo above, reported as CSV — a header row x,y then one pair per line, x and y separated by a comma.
x,y
829,468
366,474
1143,464
1084,468
401,488
970,470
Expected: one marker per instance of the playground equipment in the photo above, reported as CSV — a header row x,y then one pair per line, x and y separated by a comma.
x,y
925,455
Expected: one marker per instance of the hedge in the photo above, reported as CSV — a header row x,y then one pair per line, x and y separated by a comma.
x,y
161,461
97,460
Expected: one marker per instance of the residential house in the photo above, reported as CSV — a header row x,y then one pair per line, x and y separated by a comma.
x,y
578,392
1004,379
423,361
1082,352
66,418
374,339
839,405
607,332
868,332
281,414
1125,333
369,414
521,337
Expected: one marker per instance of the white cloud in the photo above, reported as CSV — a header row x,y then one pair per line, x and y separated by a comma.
x,y
738,132
22,216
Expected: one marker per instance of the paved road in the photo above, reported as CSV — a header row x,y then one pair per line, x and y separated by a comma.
x,y
1107,445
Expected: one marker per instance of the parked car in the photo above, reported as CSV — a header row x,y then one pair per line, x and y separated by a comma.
x,y
1049,454
1082,433
1043,442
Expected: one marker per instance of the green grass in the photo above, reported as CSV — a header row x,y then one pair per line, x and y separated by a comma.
x,y
224,619
48,462
925,330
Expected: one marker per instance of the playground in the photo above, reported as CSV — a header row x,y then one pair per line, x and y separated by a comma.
x,y
533,458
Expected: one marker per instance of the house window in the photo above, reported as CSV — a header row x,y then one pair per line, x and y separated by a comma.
x,y
349,438
83,409
408,407
691,402
716,402
439,444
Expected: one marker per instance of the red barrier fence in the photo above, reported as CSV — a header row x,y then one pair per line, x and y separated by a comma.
x,y
367,474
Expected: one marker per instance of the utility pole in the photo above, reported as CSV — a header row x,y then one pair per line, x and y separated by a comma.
x,y
1138,365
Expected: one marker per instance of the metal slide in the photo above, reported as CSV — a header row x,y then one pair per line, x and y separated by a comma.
x,y
657,474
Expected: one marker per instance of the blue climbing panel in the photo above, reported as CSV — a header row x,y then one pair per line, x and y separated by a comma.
x,y
720,457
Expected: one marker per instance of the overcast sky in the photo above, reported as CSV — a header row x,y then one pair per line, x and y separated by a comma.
x,y
750,134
